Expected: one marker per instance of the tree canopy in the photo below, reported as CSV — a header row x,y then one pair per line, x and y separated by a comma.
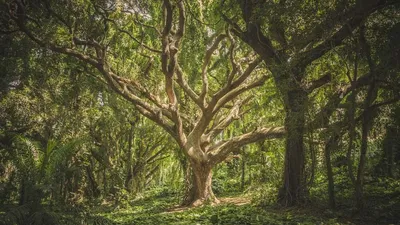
x,y
109,99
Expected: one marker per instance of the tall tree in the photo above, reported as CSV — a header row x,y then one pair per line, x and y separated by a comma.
x,y
193,111
290,36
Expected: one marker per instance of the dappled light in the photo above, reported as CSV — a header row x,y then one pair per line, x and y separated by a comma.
x,y
199,112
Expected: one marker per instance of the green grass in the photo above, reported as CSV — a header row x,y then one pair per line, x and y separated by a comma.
x,y
155,208
150,211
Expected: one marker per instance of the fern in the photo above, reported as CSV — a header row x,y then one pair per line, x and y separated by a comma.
x,y
43,218
62,154
99,220
16,216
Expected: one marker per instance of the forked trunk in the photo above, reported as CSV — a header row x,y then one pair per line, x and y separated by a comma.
x,y
200,190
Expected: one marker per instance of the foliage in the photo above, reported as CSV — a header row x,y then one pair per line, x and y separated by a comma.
x,y
112,111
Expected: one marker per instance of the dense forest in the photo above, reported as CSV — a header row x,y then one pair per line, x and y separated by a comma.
x,y
199,112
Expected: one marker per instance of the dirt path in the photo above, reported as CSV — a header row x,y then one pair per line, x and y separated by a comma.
x,y
227,200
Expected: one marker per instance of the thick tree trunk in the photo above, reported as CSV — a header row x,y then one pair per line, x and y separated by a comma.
x,y
200,191
294,189
188,182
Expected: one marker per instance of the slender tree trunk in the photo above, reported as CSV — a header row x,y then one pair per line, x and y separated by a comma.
x,y
294,189
352,135
129,174
330,146
390,160
352,123
367,121
22,194
360,178
359,193
94,187
313,157
105,182
389,152
243,170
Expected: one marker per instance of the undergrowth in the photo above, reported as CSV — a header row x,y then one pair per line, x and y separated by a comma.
x,y
154,208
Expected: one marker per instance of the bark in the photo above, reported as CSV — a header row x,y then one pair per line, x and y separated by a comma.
x,y
94,187
188,195
294,188
243,167
352,123
201,184
389,151
129,174
105,182
352,136
359,192
313,160
367,120
329,147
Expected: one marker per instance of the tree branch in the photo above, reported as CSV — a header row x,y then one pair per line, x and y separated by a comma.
x,y
224,123
362,11
322,117
206,62
219,151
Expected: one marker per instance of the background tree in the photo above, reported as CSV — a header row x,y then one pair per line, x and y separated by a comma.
x,y
288,49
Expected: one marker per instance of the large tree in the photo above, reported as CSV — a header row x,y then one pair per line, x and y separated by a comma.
x,y
290,37
137,48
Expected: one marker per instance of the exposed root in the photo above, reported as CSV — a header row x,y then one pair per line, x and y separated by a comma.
x,y
198,203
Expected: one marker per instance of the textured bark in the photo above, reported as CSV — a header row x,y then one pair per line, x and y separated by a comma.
x,y
201,185
188,183
294,187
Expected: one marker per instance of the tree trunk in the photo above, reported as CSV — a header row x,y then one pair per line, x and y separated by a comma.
x,y
187,196
201,186
129,172
367,121
243,167
294,189
22,194
352,123
94,187
361,166
329,147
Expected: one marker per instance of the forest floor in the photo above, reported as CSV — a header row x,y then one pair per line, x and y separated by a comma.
x,y
161,208
237,200
239,210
